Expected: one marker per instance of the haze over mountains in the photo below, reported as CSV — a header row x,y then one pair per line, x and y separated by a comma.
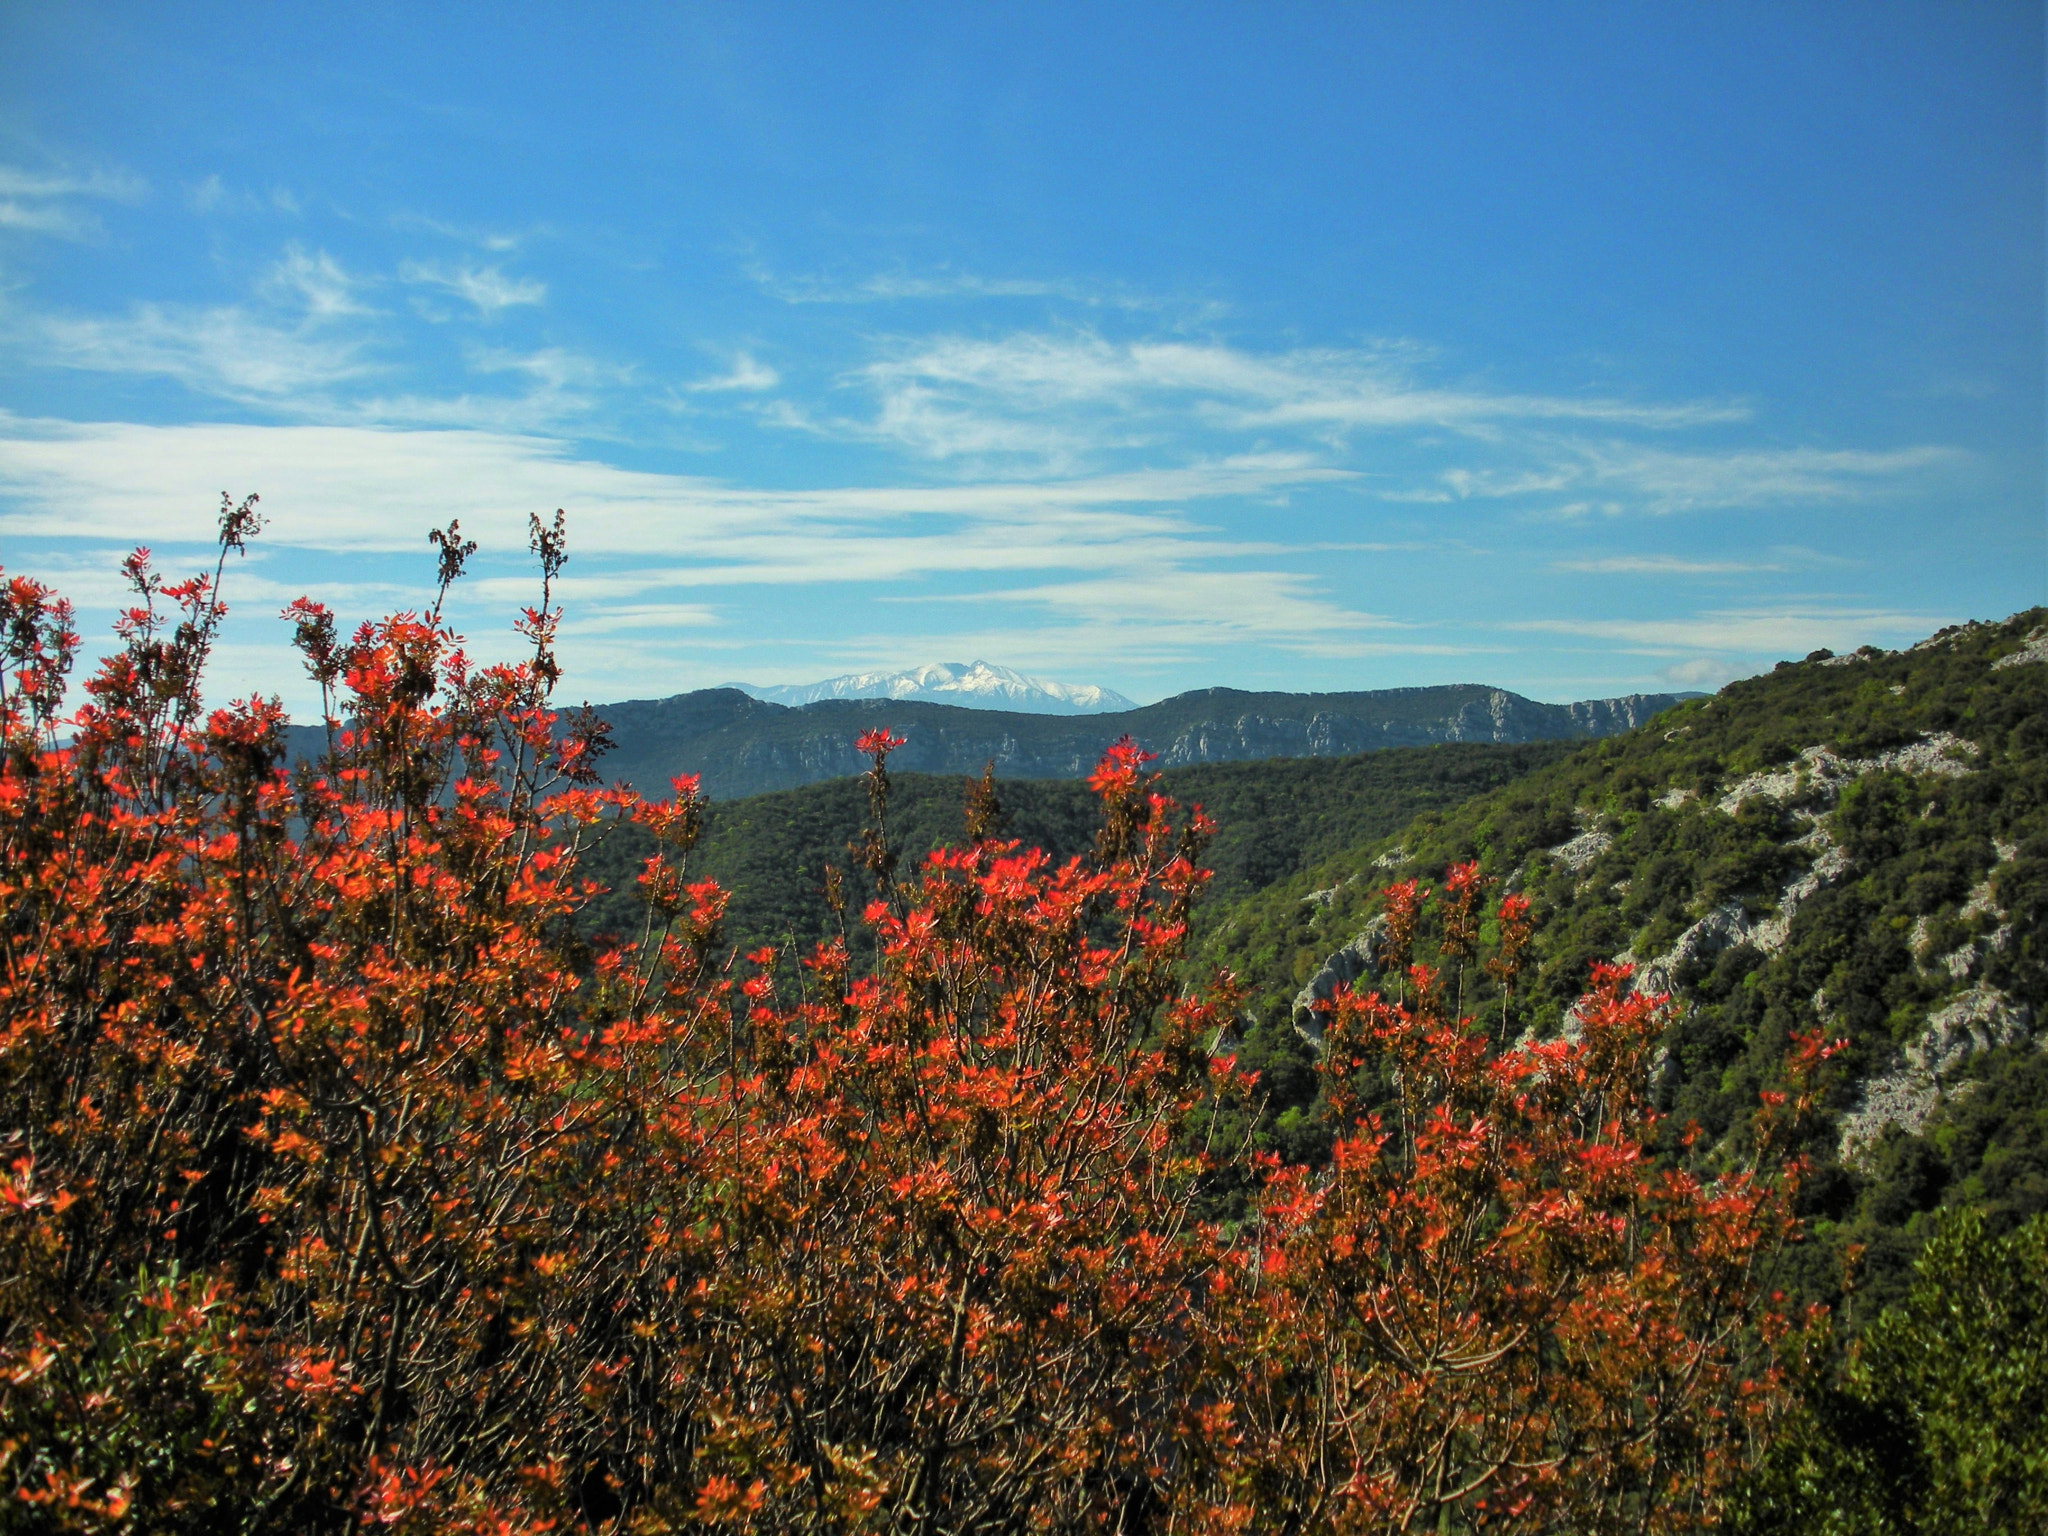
x,y
972,685
741,745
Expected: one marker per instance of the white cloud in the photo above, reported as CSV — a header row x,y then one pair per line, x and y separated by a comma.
x,y
1671,480
1496,485
1701,672
1189,606
561,388
1058,573
1610,477
892,287
116,185
47,219
1068,399
225,351
1661,565
745,375
488,289
1069,393
624,617
484,239
554,368
318,282
213,195
1780,631
363,489
1112,556
41,202
1028,404
1079,455
292,348
307,344
1132,563
311,370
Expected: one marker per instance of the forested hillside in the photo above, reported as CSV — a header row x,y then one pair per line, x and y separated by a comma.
x,y
1274,818
1856,843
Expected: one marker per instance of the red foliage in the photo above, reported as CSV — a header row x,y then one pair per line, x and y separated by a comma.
x,y
349,1187
1497,1309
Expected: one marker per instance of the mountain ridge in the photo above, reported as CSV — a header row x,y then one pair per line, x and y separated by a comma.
x,y
739,745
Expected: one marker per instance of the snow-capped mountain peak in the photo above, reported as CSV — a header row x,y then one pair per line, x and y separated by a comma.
x,y
976,685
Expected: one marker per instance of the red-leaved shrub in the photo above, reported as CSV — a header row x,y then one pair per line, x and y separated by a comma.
x,y
348,1185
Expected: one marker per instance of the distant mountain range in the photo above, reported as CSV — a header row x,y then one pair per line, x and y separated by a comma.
x,y
740,745
974,685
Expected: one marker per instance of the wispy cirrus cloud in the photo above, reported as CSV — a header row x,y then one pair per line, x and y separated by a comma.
x,y
16,181
1160,496
1706,648
357,488
46,202
308,342
1069,397
623,618
747,375
34,218
1582,477
1068,393
946,284
320,284
482,237
485,288
288,349
1050,403
557,389
1662,565
224,351
1778,630
212,195
1664,480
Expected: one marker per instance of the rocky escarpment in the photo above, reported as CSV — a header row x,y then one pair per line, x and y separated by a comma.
x,y
1809,788
1358,960
1931,1067
740,745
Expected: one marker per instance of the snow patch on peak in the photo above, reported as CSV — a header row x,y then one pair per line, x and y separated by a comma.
x,y
972,685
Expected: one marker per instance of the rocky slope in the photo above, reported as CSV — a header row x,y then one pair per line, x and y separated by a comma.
x,y
1857,842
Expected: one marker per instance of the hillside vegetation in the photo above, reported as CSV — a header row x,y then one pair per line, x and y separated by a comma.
x,y
1855,843
1274,818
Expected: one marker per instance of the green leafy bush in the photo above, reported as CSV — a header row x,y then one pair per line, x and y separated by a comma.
x,y
1938,1420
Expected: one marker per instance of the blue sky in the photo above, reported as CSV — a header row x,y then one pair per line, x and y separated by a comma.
x,y
1575,349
